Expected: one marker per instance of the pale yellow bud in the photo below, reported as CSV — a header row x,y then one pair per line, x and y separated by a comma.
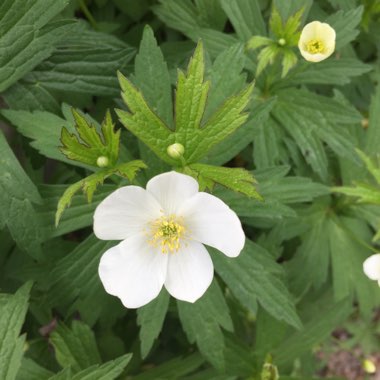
x,y
369,366
102,161
175,150
317,41
281,41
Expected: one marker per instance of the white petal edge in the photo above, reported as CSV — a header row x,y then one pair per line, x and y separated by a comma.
x,y
133,271
190,272
172,189
210,221
124,213
371,267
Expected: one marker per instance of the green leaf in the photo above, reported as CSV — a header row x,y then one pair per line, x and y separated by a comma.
x,y
266,57
191,95
345,23
13,309
202,322
18,197
255,276
232,145
190,105
107,371
288,61
152,77
228,64
331,71
74,277
85,62
30,370
75,347
174,368
258,41
373,131
79,215
235,179
26,37
89,184
246,17
150,318
88,146
315,330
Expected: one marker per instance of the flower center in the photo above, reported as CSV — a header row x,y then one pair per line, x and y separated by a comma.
x,y
166,233
315,46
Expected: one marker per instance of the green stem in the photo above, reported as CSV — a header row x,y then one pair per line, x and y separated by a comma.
x,y
88,14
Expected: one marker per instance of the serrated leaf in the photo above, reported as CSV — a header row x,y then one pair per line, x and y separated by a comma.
x,y
266,57
85,62
150,318
288,61
30,370
87,146
13,309
26,37
246,17
255,276
190,104
75,347
152,77
373,131
202,322
258,41
18,197
107,371
191,94
174,368
89,184
345,24
235,179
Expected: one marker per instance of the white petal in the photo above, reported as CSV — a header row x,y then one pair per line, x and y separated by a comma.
x,y
172,189
210,221
124,213
133,271
371,267
190,272
310,31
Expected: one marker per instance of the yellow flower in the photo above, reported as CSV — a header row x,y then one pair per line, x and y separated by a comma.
x,y
317,41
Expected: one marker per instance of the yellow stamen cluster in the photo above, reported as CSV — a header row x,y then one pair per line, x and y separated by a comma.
x,y
315,46
167,233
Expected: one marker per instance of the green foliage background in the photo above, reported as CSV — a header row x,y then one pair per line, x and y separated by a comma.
x,y
307,135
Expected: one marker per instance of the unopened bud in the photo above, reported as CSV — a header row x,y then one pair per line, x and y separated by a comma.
x,y
102,161
281,41
365,123
175,150
269,372
369,366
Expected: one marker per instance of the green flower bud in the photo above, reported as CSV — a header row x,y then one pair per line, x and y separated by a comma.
x,y
102,161
175,150
281,41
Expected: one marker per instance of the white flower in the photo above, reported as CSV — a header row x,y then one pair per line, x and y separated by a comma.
x,y
317,41
163,229
371,267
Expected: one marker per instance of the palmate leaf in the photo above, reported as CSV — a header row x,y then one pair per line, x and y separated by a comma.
x,y
27,37
13,309
236,179
254,277
202,322
88,146
89,184
18,198
198,136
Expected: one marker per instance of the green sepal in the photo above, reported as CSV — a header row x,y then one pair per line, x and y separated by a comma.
x,y
236,179
88,144
89,184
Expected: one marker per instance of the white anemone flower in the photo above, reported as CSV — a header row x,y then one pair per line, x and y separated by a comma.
x,y
317,41
371,267
163,229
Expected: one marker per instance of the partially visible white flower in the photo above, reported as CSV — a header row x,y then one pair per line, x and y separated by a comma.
x,y
317,41
163,229
371,267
